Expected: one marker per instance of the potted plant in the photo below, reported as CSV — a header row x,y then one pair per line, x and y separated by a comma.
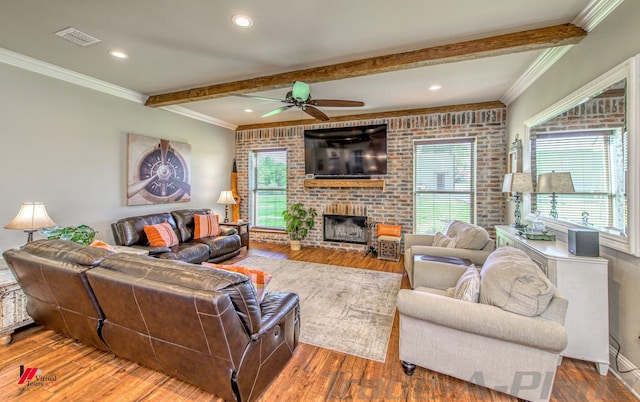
x,y
298,223
82,234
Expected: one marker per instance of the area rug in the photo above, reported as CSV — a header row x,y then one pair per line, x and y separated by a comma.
x,y
344,309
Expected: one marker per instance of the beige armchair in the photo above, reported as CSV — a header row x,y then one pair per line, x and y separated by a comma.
x,y
463,240
483,343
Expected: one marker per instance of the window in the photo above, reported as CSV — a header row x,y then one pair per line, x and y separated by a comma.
x,y
594,160
267,188
444,183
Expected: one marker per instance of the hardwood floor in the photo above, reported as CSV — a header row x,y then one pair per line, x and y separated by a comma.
x,y
314,374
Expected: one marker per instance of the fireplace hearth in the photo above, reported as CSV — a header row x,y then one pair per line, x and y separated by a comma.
x,y
345,228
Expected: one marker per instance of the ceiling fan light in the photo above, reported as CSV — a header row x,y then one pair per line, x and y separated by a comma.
x,y
435,87
242,21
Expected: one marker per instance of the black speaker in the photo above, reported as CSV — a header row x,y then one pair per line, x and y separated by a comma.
x,y
584,242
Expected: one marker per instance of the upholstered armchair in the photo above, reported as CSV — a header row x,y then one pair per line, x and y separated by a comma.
x,y
464,241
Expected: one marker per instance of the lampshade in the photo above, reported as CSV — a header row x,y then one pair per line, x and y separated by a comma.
x,y
226,197
32,216
555,182
517,183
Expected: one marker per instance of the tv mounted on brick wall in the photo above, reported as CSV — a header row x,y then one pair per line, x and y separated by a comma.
x,y
346,152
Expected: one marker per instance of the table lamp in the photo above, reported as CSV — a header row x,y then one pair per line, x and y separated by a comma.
x,y
517,183
555,182
226,198
31,217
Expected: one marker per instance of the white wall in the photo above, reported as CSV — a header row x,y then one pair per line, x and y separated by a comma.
x,y
66,146
612,42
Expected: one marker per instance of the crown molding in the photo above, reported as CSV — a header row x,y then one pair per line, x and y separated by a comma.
x,y
592,15
199,116
60,73
51,70
547,59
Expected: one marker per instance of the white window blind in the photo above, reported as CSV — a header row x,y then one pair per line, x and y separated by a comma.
x,y
444,183
268,187
592,158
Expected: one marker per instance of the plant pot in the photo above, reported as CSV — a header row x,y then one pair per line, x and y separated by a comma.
x,y
295,245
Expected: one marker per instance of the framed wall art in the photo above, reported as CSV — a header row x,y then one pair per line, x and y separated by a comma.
x,y
158,171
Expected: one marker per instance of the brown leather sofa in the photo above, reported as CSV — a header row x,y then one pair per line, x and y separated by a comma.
x,y
201,325
130,232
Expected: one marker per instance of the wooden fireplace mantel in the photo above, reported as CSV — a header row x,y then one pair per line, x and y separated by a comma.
x,y
367,183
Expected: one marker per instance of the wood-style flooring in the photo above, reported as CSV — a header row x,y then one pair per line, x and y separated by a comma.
x,y
314,374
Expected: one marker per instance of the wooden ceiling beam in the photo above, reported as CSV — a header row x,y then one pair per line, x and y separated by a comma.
x,y
541,38
380,115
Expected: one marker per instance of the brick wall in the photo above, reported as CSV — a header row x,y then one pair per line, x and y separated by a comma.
x,y
395,204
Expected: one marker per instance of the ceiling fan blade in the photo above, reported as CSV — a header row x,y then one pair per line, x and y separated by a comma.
x,y
310,110
276,111
300,91
258,97
336,103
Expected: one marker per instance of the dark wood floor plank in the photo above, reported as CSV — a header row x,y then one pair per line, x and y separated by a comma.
x,y
313,374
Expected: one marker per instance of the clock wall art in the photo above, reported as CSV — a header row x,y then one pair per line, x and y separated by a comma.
x,y
158,171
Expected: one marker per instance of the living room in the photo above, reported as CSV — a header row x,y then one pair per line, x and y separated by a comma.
x,y
66,145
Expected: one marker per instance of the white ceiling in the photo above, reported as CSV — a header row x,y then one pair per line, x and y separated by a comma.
x,y
175,45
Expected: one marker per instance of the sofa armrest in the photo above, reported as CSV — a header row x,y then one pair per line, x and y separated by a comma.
x,y
227,231
411,240
483,319
274,308
477,257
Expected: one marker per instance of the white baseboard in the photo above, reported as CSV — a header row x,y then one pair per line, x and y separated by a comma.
x,y
631,380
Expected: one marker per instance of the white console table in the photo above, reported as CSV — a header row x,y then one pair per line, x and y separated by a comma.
x,y
13,305
583,281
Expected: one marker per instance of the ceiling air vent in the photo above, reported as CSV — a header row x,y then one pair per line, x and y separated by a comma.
x,y
78,37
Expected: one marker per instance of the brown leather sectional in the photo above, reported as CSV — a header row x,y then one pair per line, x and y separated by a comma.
x,y
130,232
202,325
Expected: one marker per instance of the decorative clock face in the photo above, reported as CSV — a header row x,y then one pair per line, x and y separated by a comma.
x,y
163,175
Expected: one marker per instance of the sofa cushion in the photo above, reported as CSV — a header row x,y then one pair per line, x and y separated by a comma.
x,y
130,231
161,235
184,222
468,286
205,225
511,281
191,252
442,240
468,235
259,279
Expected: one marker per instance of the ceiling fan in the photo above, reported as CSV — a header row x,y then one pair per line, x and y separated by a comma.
x,y
300,96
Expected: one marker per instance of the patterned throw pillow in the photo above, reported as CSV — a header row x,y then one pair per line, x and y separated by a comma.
x,y
389,230
442,240
259,279
205,226
161,235
468,286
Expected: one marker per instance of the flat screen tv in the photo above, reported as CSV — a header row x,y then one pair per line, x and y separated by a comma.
x,y
346,152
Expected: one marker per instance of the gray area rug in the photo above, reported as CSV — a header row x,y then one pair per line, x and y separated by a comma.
x,y
344,309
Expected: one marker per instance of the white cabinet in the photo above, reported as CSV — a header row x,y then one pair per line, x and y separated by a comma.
x,y
583,281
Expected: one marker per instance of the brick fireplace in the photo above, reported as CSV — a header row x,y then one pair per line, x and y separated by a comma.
x,y
392,204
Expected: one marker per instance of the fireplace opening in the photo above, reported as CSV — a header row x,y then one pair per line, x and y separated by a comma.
x,y
345,228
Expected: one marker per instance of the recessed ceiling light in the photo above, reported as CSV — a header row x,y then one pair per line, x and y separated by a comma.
x,y
242,21
435,87
118,54
248,110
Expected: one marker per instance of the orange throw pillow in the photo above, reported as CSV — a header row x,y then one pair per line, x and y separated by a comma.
x,y
161,235
259,279
389,230
101,244
205,226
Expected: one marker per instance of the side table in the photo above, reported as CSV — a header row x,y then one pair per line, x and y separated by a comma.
x,y
243,231
13,305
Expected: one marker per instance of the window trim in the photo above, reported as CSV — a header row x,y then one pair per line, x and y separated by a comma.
x,y
474,180
252,188
629,71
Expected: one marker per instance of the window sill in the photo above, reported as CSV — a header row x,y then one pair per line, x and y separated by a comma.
x,y
267,230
